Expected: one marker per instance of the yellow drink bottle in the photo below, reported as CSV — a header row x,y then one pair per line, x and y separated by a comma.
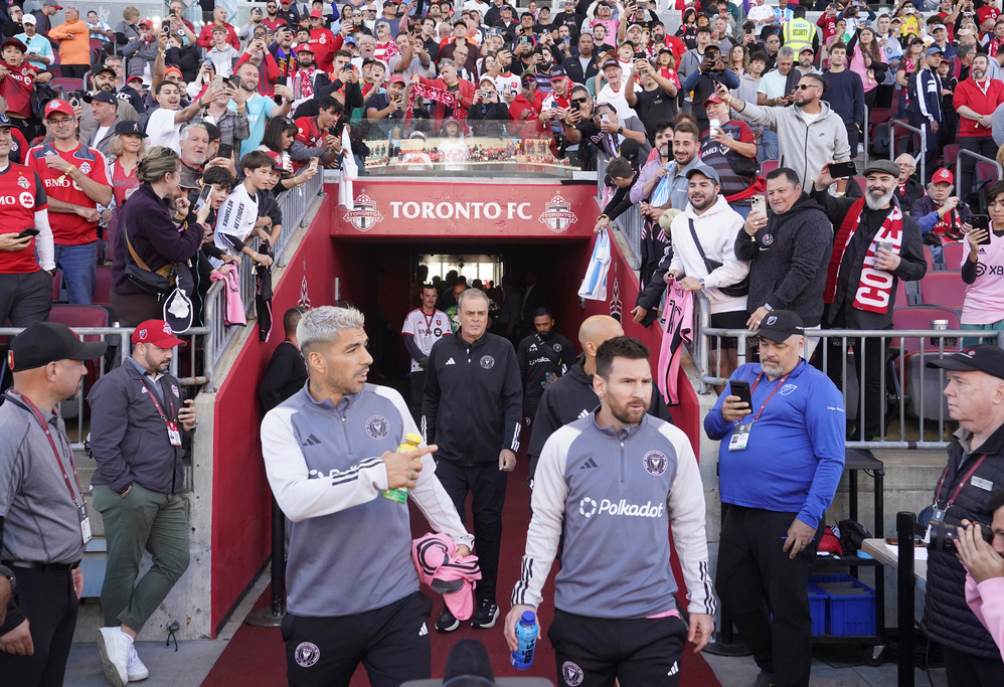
x,y
410,443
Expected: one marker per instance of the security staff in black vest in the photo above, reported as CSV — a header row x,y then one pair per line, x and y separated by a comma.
x,y
43,518
975,471
286,372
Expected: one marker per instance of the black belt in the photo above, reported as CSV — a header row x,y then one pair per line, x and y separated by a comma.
x,y
44,567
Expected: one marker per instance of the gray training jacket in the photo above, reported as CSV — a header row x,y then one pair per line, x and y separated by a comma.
x,y
349,548
615,494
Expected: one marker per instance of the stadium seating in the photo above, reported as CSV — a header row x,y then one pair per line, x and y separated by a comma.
x,y
943,288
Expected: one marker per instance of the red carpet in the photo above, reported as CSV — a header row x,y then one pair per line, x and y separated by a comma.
x,y
255,655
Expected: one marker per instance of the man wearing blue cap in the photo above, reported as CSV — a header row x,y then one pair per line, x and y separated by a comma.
x,y
925,93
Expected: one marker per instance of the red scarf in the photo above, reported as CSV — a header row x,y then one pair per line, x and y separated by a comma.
x,y
874,290
438,95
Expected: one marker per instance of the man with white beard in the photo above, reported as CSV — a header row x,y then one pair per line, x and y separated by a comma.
x,y
874,244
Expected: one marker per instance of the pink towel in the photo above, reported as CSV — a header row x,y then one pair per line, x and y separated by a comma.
x,y
986,600
437,563
232,286
679,314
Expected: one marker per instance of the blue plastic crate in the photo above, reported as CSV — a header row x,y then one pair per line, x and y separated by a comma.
x,y
848,614
817,610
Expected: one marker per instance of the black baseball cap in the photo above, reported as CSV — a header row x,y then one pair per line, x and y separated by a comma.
x,y
778,325
47,342
126,128
103,97
982,358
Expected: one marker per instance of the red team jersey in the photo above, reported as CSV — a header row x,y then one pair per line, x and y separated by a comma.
x,y
69,229
308,133
21,196
16,88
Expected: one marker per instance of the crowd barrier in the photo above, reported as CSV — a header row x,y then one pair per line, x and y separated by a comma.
x,y
295,204
921,131
915,415
964,193
195,364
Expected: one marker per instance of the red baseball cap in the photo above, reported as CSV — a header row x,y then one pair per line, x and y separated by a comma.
x,y
943,176
315,14
397,78
174,69
713,99
57,105
156,332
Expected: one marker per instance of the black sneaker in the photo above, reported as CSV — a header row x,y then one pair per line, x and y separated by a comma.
x,y
447,622
488,613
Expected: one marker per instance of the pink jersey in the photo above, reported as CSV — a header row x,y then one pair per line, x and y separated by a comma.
x,y
679,314
984,303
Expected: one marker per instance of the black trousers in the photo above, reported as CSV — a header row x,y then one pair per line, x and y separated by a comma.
x,y
24,300
593,652
981,145
757,580
966,670
416,389
870,369
391,642
853,137
46,598
487,484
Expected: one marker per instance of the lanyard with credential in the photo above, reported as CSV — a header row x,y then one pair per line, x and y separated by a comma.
x,y
939,513
173,435
773,391
74,493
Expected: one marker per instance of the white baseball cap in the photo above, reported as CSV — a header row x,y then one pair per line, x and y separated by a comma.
x,y
28,19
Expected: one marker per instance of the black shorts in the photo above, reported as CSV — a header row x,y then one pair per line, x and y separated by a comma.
x,y
736,319
593,652
392,642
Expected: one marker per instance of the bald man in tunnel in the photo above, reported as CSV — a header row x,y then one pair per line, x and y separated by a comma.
x,y
572,395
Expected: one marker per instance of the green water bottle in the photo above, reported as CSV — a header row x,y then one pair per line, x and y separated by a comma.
x,y
410,443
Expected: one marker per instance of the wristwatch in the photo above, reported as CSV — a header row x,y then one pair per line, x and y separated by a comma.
x,y
9,574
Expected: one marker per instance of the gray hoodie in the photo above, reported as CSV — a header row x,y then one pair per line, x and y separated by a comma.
x,y
805,145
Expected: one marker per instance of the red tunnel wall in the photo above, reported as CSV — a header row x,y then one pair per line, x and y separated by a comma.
x,y
241,520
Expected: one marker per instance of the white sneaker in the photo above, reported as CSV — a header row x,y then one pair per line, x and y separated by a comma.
x,y
113,647
135,668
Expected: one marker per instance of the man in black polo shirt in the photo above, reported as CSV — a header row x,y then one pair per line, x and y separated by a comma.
x,y
544,356
975,471
43,518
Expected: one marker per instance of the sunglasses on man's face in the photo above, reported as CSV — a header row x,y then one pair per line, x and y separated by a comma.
x,y
805,86
578,101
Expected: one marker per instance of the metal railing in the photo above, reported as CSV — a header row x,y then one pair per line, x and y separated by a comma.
x,y
977,158
295,204
628,225
909,394
920,131
194,362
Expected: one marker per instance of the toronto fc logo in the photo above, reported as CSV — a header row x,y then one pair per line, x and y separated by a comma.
x,y
365,216
558,215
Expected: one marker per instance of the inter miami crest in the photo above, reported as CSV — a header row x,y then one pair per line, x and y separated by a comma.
x,y
558,215
365,215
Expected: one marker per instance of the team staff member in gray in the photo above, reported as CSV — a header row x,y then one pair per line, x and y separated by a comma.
x,y
776,498
329,455
43,523
618,475
137,424
472,409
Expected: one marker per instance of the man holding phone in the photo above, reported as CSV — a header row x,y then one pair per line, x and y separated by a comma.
x,y
774,501
139,427
983,307
25,280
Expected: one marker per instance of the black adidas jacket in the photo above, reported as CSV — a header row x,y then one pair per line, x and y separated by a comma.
x,y
568,399
473,399
947,617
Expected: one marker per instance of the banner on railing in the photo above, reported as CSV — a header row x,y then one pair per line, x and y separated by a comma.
x,y
410,208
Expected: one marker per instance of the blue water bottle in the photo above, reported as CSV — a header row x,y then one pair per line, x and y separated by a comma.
x,y
526,641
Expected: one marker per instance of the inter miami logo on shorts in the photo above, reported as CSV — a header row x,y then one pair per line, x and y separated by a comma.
x,y
487,362
571,674
655,463
306,654
376,427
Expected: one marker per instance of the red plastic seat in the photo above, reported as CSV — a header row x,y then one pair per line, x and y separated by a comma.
x,y
861,182
103,285
768,166
954,254
944,289
80,316
951,153
986,171
920,317
57,285
66,84
879,115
